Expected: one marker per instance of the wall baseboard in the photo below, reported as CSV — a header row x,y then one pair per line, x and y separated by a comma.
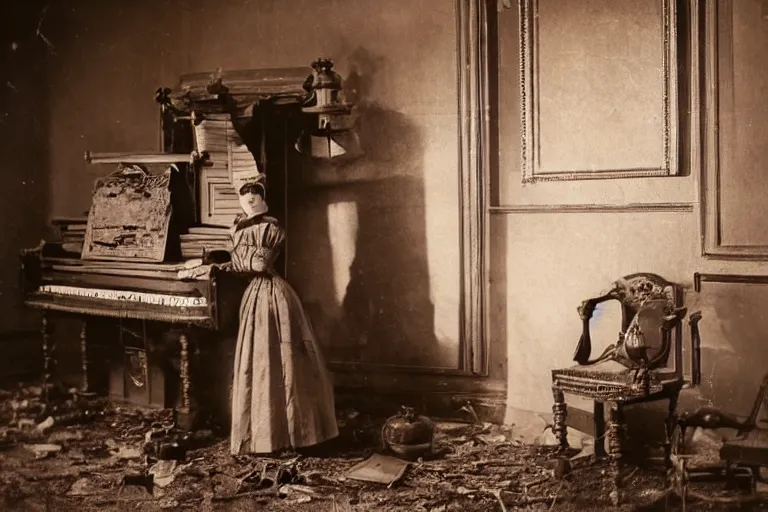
x,y
489,407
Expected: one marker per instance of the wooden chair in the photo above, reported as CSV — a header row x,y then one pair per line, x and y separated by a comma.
x,y
627,372
744,453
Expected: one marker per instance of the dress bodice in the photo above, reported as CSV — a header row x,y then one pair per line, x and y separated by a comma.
x,y
256,244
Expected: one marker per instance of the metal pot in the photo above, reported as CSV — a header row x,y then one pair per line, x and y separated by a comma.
x,y
408,435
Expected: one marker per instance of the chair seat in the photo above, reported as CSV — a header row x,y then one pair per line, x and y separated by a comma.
x,y
750,448
608,370
610,380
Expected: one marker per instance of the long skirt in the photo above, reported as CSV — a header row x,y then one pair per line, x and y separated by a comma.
x,y
282,396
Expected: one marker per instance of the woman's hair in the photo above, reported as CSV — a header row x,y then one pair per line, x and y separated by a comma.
x,y
253,188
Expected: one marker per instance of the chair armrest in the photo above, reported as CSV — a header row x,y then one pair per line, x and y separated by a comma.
x,y
711,418
673,320
668,323
586,309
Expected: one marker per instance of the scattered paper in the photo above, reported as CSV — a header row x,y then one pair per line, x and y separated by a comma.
x,y
43,450
378,468
163,471
126,452
45,425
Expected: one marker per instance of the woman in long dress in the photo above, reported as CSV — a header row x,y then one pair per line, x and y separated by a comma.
x,y
282,396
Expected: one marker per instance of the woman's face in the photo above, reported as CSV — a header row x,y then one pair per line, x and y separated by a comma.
x,y
251,201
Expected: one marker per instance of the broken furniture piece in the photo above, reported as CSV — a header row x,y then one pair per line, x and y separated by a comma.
x,y
634,370
744,453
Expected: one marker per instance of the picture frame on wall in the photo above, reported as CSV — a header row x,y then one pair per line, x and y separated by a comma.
x,y
598,89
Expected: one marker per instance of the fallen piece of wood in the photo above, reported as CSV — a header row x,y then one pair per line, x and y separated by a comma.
x,y
271,492
497,462
497,494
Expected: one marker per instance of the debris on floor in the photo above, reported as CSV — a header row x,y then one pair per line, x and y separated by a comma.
x,y
378,468
88,455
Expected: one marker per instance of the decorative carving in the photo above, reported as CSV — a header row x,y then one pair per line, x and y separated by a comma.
x,y
559,415
635,383
632,291
130,216
637,290
49,353
615,439
84,354
137,367
184,371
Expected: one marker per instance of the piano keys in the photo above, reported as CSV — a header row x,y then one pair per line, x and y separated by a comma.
x,y
208,299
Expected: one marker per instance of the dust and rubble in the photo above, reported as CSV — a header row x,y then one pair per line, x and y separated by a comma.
x,y
86,454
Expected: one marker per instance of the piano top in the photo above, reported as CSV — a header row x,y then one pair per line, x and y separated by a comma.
x,y
166,271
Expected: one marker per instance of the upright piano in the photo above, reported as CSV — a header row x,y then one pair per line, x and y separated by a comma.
x,y
53,282
182,301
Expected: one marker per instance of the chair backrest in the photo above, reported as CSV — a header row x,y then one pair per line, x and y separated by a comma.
x,y
635,290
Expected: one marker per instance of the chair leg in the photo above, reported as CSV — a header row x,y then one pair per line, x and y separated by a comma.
x,y
683,484
599,419
559,414
615,435
670,429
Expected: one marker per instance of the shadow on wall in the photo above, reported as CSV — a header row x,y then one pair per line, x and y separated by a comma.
x,y
24,196
734,333
366,231
733,328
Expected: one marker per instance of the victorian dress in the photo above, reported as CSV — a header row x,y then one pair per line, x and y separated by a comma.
x,y
282,396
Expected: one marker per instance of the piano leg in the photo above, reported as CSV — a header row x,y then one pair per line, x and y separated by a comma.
x,y
49,351
84,354
184,417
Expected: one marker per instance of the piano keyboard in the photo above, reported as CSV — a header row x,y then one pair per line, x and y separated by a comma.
x,y
129,296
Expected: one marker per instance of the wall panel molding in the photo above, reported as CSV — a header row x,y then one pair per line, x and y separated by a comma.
x,y
538,107
699,278
717,46
594,208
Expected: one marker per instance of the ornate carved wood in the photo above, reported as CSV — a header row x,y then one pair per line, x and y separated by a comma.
x,y
130,217
605,381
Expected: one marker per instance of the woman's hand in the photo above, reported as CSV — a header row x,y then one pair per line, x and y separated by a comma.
x,y
196,262
227,266
194,272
